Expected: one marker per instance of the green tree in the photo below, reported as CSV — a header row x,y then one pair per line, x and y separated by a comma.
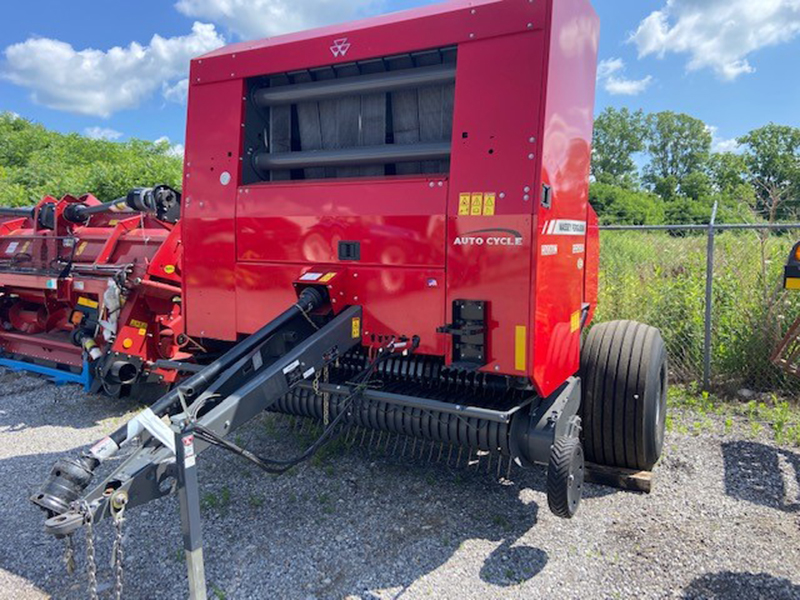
x,y
618,136
679,145
622,206
35,162
772,155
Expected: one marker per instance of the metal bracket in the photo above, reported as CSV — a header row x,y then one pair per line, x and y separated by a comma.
x,y
550,419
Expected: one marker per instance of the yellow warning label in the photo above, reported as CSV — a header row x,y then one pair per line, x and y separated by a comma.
x,y
327,277
792,283
356,328
81,248
169,269
463,203
25,246
520,342
138,324
113,221
575,321
142,330
477,205
83,301
488,204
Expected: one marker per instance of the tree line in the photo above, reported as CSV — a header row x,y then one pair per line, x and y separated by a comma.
x,y
646,168
36,162
660,168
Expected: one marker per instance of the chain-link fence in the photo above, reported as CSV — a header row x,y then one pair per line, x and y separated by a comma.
x,y
715,291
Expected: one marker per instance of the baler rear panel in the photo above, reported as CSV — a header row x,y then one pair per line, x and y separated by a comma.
x,y
430,232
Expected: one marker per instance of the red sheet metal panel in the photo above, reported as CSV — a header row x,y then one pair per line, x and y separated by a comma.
x,y
213,145
522,117
557,279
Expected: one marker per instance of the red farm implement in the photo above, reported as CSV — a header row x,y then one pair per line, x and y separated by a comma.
x,y
388,224
91,292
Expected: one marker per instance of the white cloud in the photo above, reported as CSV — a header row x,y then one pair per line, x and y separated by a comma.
x,y
102,133
719,144
100,83
610,73
252,19
174,149
177,92
718,34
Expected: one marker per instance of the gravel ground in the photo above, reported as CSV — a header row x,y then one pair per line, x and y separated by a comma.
x,y
722,522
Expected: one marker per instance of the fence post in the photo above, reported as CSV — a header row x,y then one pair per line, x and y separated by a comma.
x,y
709,299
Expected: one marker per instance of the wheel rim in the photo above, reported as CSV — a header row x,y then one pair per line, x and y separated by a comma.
x,y
575,489
661,413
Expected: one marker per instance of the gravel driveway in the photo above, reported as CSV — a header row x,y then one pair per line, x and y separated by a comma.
x,y
722,522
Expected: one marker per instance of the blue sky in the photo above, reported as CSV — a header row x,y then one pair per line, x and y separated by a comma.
x,y
732,63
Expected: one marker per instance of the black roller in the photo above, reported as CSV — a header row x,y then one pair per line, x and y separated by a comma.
x,y
355,156
355,85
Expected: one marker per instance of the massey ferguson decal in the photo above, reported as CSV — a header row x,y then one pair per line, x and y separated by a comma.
x,y
340,47
490,237
564,227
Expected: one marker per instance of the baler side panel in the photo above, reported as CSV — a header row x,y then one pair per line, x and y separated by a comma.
x,y
493,163
558,276
591,285
213,144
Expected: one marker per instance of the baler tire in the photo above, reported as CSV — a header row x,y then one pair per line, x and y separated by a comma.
x,y
624,404
565,477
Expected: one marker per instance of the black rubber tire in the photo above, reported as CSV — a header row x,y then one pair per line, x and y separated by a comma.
x,y
565,477
624,387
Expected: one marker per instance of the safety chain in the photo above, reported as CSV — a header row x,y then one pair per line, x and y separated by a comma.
x,y
91,565
69,554
326,397
118,503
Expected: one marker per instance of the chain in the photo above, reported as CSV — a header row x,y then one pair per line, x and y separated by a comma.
x,y
69,554
117,555
91,565
326,400
118,503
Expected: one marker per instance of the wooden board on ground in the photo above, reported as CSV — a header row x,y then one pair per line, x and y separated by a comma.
x,y
626,479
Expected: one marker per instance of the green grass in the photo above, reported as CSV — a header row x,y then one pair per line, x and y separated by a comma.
x,y
659,279
691,411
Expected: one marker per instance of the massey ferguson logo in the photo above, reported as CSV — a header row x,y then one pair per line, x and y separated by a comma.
x,y
490,237
340,47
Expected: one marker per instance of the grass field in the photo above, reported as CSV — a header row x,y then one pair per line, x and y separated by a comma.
x,y
659,278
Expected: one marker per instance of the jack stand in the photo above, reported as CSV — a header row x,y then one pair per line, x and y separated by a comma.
x,y
189,498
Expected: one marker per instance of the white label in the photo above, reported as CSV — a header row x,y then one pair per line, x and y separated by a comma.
x,y
310,276
68,243
580,264
578,248
289,368
12,247
78,285
51,284
565,227
308,373
257,361
549,250
189,459
104,448
225,178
